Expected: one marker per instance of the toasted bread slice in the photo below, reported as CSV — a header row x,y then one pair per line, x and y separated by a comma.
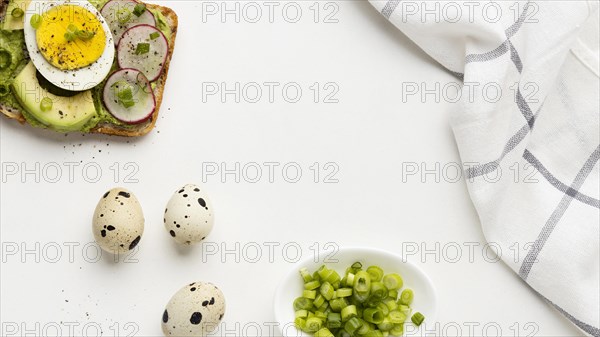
x,y
112,129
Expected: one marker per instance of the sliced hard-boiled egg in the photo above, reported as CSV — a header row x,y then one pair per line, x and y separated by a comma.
x,y
71,44
70,37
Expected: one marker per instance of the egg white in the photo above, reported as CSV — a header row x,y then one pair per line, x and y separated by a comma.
x,y
75,80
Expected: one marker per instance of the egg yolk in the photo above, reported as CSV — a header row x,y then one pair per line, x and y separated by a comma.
x,y
59,44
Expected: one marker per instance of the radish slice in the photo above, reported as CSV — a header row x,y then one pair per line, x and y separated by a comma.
x,y
123,10
128,96
145,48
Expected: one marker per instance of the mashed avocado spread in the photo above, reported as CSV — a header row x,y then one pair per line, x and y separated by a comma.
x,y
14,57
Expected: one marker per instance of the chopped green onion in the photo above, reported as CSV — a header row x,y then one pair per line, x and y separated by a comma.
x,y
312,285
139,9
390,303
375,272
124,93
302,303
384,309
17,13
300,323
365,327
378,291
71,32
123,15
374,333
327,291
69,36
303,272
406,297
334,277
324,273
155,36
323,308
405,309
334,320
362,282
417,318
313,324
350,279
338,304
396,317
84,35
319,301
72,28
386,325
142,48
35,21
364,303
324,332
301,313
46,104
352,325
360,297
74,32
321,314
343,292
393,281
348,312
310,294
397,330
373,315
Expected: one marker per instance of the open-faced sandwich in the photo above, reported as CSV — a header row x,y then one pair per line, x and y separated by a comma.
x,y
88,66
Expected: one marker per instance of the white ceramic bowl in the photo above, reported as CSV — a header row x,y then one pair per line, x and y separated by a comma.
x,y
291,286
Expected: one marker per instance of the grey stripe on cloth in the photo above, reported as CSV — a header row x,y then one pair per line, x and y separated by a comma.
x,y
504,47
514,28
460,76
525,109
514,56
560,210
490,55
583,326
559,185
389,8
479,170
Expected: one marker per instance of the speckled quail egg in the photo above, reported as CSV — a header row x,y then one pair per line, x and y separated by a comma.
x,y
195,310
189,215
118,221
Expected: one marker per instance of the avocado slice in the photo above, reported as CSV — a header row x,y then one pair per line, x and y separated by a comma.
x,y
66,114
10,22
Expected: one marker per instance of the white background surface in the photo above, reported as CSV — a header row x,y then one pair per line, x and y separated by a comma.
x,y
368,134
